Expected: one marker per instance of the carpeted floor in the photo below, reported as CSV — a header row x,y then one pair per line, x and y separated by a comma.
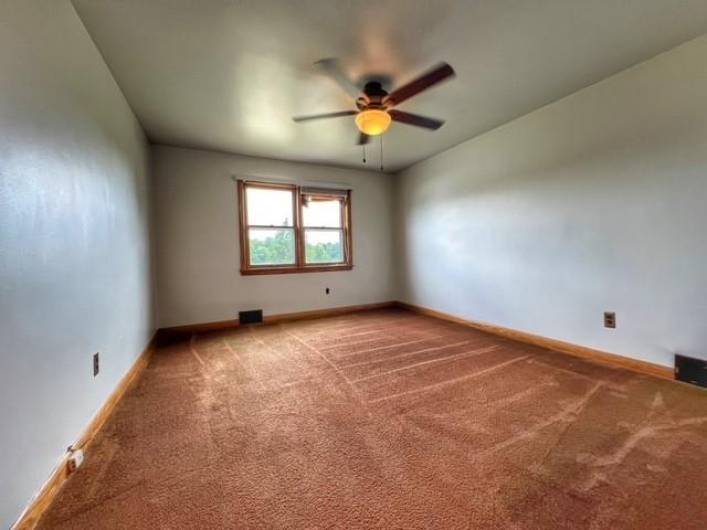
x,y
386,419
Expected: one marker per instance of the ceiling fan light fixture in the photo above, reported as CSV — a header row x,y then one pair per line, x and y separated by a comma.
x,y
373,122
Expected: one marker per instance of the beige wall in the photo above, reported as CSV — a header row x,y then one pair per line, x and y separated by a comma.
x,y
596,202
198,255
74,240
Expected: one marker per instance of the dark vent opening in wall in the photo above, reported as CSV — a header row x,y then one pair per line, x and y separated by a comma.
x,y
250,317
691,370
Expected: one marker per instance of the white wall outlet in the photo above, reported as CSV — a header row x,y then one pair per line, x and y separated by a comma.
x,y
75,460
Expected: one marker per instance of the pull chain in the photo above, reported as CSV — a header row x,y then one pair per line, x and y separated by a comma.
x,y
381,144
364,153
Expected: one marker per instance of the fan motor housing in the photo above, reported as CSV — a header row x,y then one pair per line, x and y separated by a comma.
x,y
373,96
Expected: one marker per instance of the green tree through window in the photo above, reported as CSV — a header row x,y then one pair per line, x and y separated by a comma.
x,y
278,249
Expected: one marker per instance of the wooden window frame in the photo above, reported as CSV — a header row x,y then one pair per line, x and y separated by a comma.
x,y
299,231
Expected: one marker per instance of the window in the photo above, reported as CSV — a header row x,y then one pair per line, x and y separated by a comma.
x,y
285,228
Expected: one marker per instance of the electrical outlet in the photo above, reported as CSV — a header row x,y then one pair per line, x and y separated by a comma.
x,y
326,290
96,366
75,460
609,319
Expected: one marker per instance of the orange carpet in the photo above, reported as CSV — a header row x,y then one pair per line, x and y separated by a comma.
x,y
387,419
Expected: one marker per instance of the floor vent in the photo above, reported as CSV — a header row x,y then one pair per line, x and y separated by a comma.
x,y
691,370
250,317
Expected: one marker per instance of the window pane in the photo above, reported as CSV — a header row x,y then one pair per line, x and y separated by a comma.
x,y
272,247
269,207
322,213
323,246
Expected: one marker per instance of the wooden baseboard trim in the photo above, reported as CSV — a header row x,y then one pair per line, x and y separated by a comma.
x,y
584,352
198,328
274,319
322,313
30,517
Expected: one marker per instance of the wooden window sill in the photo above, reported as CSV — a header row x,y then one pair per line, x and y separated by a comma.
x,y
295,270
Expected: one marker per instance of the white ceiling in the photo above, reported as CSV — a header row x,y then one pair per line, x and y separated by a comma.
x,y
228,75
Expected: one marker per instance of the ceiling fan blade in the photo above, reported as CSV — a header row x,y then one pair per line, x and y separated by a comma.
x,y
415,119
326,115
427,80
332,68
363,139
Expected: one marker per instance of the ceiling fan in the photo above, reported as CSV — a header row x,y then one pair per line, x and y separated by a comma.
x,y
376,106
